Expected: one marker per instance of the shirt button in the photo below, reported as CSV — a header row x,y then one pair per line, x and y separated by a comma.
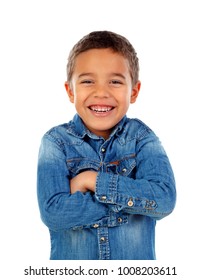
x,y
104,197
124,170
95,225
103,150
130,203
102,239
120,220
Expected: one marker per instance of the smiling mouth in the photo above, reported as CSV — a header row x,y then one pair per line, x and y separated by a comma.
x,y
101,109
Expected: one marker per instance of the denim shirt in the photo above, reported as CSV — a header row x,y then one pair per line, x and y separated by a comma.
x,y
135,187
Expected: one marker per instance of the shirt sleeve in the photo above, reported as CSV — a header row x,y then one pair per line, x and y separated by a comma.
x,y
152,192
59,208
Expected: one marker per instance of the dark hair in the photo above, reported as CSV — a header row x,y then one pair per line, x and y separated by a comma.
x,y
103,40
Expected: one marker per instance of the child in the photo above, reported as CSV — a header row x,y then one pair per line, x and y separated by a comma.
x,y
103,179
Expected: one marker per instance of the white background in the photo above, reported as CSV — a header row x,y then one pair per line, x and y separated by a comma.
x,y
35,39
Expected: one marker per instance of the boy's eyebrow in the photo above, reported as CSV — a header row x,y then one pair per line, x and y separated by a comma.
x,y
112,74
84,74
118,75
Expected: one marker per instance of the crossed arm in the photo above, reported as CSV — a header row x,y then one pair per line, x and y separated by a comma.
x,y
63,202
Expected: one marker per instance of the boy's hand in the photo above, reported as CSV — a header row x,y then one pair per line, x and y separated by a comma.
x,y
83,182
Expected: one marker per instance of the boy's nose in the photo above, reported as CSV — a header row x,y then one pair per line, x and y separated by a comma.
x,y
101,92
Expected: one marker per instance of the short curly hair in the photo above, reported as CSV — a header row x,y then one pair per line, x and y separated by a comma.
x,y
103,40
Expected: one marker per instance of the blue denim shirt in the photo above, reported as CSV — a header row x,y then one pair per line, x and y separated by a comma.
x,y
135,187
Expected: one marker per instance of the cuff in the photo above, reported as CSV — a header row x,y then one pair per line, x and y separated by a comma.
x,y
106,188
107,191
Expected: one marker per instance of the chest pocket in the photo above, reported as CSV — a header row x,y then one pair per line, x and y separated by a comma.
x,y
78,165
124,166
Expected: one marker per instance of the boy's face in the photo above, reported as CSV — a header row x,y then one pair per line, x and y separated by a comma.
x,y
101,89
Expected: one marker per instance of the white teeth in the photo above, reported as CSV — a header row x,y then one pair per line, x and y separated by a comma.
x,y
101,109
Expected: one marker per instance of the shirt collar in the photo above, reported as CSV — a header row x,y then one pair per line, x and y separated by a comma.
x,y
78,129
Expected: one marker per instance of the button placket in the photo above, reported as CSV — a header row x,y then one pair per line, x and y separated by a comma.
x,y
103,243
102,152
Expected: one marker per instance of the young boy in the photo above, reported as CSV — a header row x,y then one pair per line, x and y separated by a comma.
x,y
103,179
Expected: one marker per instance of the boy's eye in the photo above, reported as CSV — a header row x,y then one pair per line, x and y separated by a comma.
x,y
116,82
86,82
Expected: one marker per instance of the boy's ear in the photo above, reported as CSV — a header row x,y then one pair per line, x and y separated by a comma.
x,y
135,92
69,92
